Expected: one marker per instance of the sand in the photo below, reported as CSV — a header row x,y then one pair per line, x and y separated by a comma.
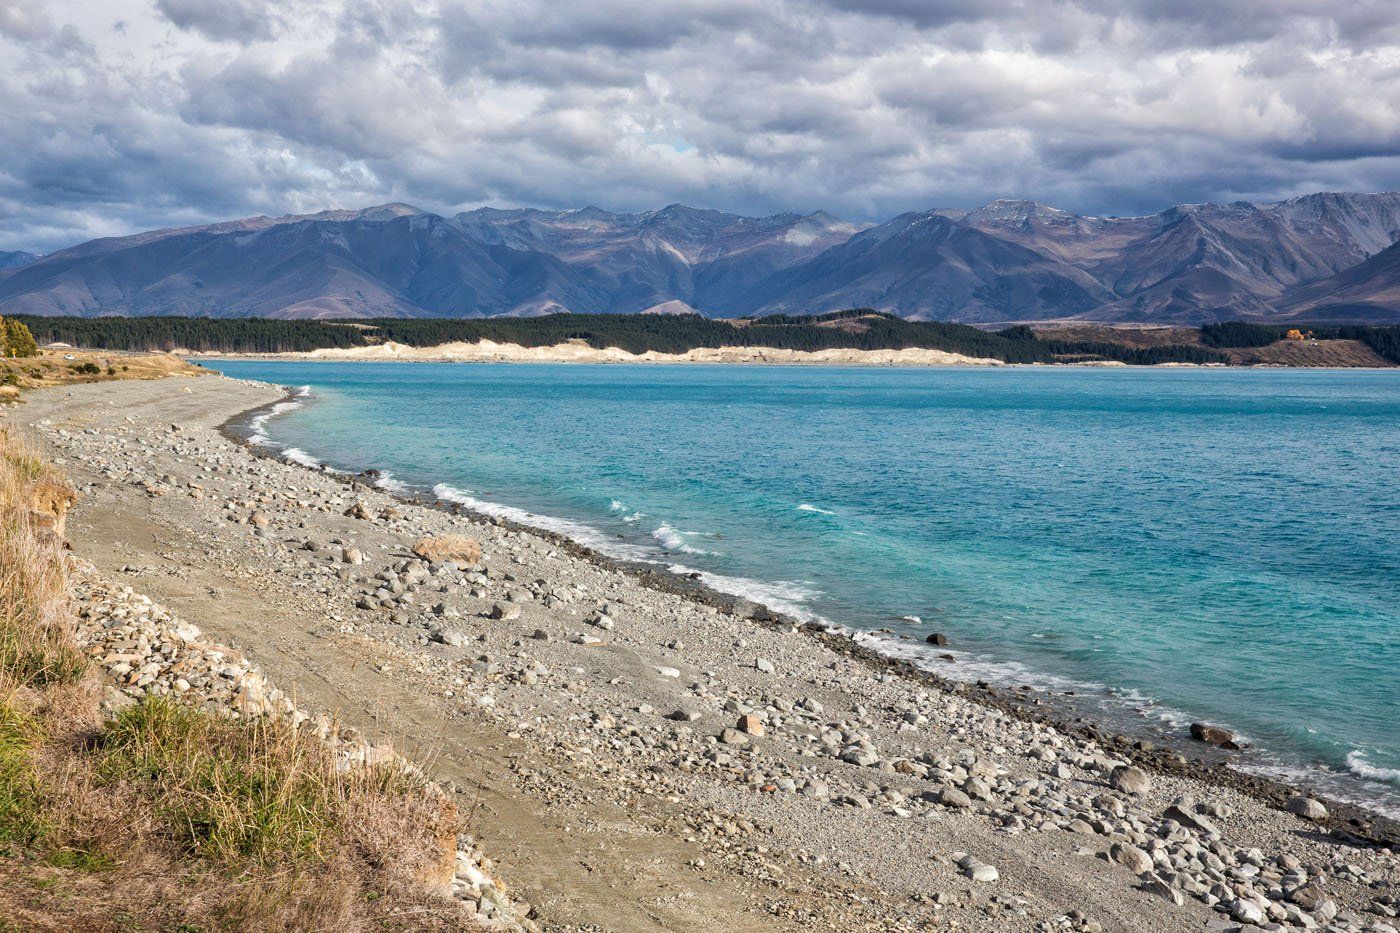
x,y
489,351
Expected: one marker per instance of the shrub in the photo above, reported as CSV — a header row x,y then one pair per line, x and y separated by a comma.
x,y
16,340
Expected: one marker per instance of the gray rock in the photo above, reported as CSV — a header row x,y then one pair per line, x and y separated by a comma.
x,y
978,871
1246,911
733,737
1190,820
1130,780
1166,892
952,797
1130,857
1307,808
448,636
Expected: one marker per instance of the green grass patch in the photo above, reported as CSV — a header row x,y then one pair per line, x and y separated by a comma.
x,y
233,791
22,818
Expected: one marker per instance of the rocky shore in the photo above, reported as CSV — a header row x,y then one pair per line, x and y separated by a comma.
x,y
145,650
640,756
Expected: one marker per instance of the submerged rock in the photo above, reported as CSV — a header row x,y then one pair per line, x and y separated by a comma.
x,y
1211,735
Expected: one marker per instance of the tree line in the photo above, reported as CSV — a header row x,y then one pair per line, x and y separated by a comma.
x,y
1383,339
858,329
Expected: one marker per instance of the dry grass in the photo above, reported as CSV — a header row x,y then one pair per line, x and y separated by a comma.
x,y
52,367
171,817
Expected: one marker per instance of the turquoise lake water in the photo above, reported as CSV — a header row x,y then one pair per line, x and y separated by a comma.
x,y
1182,544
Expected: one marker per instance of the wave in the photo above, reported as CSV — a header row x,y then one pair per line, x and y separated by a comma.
x,y
808,507
1359,766
387,482
257,425
584,534
674,540
787,596
297,455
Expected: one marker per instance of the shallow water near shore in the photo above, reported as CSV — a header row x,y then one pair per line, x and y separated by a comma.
x,y
1183,544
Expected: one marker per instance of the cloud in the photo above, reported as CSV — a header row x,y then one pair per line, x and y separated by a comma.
x,y
122,115
232,20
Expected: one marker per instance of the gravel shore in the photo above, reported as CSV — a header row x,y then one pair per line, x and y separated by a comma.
x,y
633,757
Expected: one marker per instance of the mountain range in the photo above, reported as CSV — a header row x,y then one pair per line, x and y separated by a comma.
x,y
1320,257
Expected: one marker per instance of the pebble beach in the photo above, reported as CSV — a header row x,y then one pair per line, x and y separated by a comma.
x,y
632,753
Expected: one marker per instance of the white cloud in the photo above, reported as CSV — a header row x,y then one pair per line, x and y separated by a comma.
x,y
125,114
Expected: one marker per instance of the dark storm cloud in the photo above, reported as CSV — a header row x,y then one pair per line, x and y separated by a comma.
x,y
120,115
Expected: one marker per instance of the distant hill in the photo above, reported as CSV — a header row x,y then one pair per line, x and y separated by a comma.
x,y
1326,256
15,260
1369,290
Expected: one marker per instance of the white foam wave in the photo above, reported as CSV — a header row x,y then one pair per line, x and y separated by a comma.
x,y
673,539
297,455
808,507
583,534
1377,795
386,481
617,506
914,619
1358,765
787,596
257,425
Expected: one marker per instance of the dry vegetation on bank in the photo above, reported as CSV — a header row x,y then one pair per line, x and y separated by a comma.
x,y
165,816
66,367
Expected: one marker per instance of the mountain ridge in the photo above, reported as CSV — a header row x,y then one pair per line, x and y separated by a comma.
x,y
1009,260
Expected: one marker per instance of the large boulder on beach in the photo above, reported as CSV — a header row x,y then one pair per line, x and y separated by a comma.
x,y
1307,808
456,548
1130,780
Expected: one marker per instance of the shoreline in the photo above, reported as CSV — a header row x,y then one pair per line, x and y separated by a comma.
x,y
678,360
1178,755
635,757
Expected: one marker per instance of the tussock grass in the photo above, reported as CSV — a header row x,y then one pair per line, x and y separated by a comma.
x,y
169,816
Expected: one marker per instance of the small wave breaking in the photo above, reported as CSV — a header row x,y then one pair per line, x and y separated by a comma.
x,y
674,540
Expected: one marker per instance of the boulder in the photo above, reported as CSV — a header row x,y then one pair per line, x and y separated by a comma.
x,y
1309,897
937,638
1211,735
952,797
733,737
1130,780
1190,820
443,548
1130,857
1307,808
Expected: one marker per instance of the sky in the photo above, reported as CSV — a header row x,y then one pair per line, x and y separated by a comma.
x,y
124,115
